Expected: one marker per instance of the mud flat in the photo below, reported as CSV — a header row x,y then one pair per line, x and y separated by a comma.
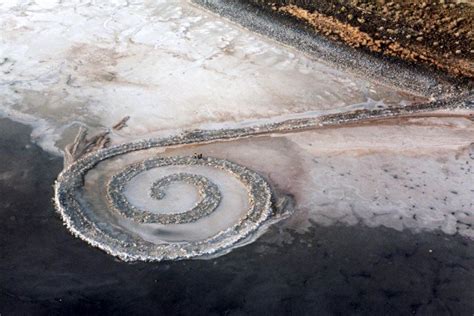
x,y
325,269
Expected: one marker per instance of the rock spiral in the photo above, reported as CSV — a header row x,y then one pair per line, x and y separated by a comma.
x,y
98,200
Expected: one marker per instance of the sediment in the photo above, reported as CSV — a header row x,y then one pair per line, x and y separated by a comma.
x,y
435,33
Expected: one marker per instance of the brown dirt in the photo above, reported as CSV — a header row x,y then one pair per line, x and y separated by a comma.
x,y
435,33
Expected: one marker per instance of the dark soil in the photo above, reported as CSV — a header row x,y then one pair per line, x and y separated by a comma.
x,y
437,33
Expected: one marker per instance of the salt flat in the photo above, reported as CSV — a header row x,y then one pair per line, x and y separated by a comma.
x,y
167,64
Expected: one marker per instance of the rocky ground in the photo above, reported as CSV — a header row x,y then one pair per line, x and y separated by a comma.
x,y
438,34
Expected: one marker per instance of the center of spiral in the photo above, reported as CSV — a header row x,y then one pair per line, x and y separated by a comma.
x,y
208,201
158,188
209,194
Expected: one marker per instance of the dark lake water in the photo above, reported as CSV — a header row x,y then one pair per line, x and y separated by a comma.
x,y
334,270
